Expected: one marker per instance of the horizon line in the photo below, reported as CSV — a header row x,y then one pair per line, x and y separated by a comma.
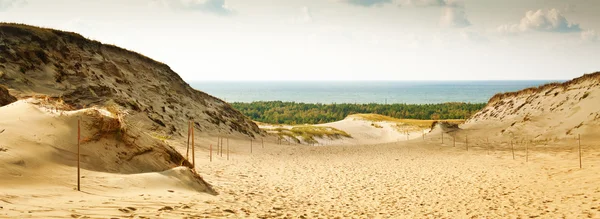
x,y
368,80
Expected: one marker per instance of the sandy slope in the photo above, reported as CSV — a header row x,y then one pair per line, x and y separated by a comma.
x,y
551,112
410,179
362,131
369,132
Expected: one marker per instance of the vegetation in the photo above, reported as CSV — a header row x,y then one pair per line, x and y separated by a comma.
x,y
402,123
308,133
278,112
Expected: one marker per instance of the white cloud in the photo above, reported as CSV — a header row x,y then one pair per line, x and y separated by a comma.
x,y
473,36
433,3
211,6
367,3
590,35
454,17
305,16
8,4
541,20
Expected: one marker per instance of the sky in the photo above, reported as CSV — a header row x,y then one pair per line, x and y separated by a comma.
x,y
207,40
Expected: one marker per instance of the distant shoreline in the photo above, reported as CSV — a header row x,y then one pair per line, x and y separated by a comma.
x,y
362,92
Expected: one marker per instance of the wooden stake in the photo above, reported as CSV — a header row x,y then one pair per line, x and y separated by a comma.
x,y
227,148
467,141
526,152
187,150
193,149
579,151
250,145
487,141
78,154
262,142
512,148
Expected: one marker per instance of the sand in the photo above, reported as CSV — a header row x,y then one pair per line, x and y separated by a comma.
x,y
408,179
362,132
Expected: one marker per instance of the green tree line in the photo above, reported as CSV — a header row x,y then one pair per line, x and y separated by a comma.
x,y
278,112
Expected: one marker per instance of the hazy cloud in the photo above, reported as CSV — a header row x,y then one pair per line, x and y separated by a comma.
x,y
473,36
454,17
541,20
367,3
590,35
211,6
305,16
433,3
8,4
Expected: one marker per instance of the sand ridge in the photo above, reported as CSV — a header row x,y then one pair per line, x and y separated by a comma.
x,y
407,179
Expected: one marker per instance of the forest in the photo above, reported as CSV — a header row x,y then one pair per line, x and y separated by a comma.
x,y
292,113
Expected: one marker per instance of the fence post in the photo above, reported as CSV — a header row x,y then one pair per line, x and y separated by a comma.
x,y
526,151
78,154
187,149
262,142
487,141
227,148
442,136
579,151
512,148
193,148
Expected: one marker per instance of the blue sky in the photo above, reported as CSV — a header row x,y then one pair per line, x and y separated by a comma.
x,y
339,39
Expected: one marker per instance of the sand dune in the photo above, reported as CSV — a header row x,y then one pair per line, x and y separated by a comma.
x,y
408,179
361,130
551,112
411,179
133,164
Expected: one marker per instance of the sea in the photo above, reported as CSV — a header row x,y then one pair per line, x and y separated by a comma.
x,y
362,92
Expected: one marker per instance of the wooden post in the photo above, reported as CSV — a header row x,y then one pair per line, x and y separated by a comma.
x,y
262,142
512,148
193,149
579,151
526,152
227,148
487,141
250,145
210,153
78,154
187,149
218,144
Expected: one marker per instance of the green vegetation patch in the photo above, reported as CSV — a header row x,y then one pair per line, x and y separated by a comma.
x,y
292,113
308,133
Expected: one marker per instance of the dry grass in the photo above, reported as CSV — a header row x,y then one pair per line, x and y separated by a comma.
x,y
308,133
593,77
160,137
402,122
